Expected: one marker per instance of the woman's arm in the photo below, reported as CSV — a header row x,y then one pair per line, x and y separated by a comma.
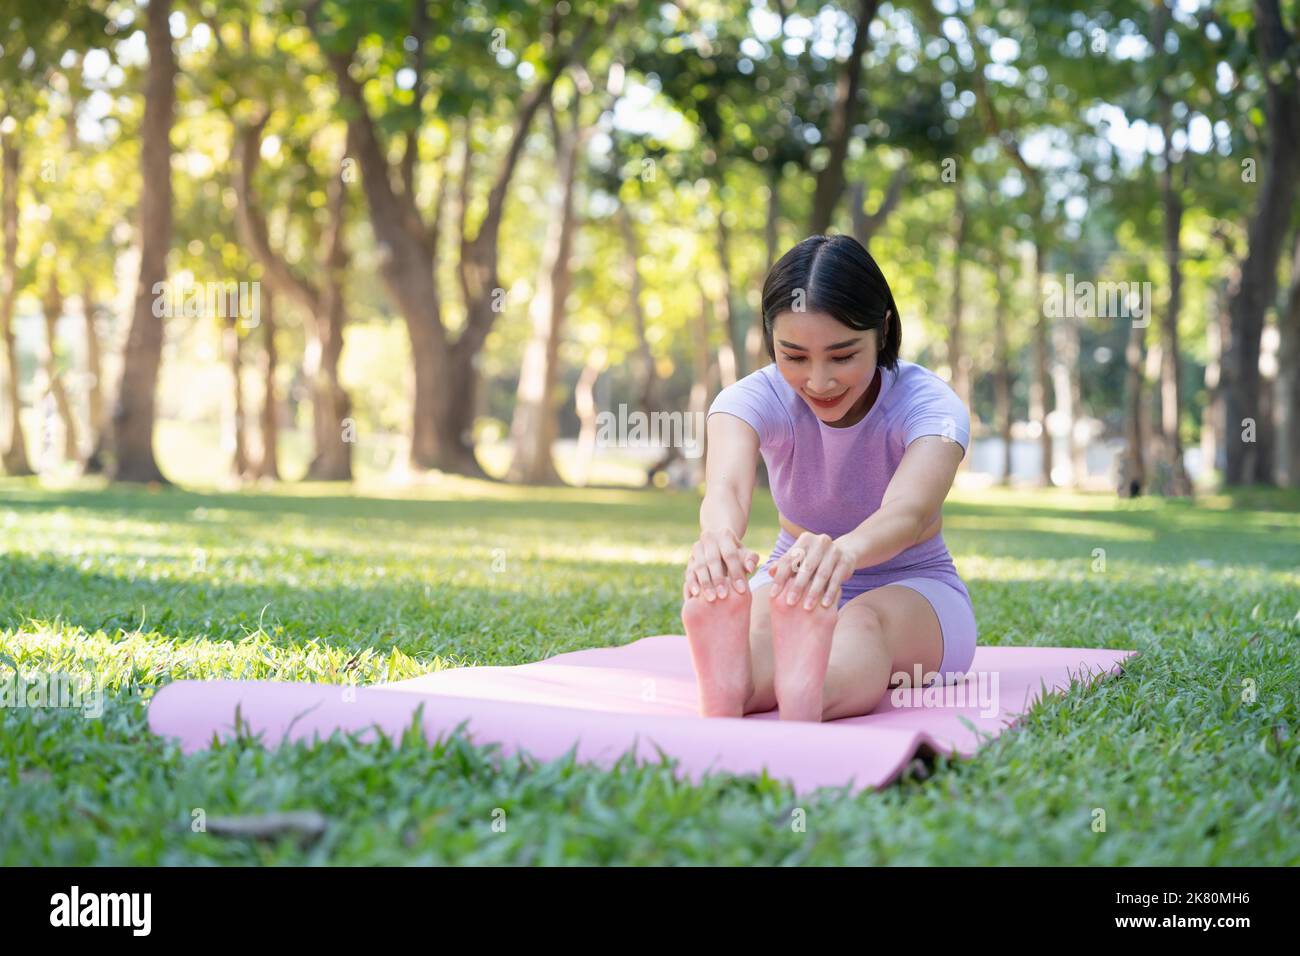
x,y
912,502
730,473
719,562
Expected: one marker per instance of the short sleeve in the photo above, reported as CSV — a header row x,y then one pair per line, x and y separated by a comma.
x,y
752,400
935,409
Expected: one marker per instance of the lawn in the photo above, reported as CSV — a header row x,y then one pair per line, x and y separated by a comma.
x,y
1192,754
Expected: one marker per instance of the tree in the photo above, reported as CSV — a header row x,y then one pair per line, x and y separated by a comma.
x,y
36,37
830,179
133,416
13,451
322,303
1255,285
534,427
446,376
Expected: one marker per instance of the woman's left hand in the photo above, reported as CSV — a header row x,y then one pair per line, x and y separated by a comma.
x,y
813,569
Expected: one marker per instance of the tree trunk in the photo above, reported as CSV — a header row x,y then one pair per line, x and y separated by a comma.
x,y
534,427
772,223
646,376
1065,386
735,343
13,444
1213,440
53,309
1132,478
321,303
94,378
1288,381
232,348
1267,434
866,226
755,346
133,418
958,361
830,179
332,425
1038,384
584,399
268,463
1256,285
1171,404
702,365
446,375
1002,362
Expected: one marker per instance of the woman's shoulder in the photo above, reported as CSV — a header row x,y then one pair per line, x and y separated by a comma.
x,y
760,399
761,383
913,380
925,404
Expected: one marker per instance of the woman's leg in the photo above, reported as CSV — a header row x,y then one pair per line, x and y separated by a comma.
x,y
801,650
763,697
718,634
880,632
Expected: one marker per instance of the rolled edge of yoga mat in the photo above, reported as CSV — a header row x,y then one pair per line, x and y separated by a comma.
x,y
856,752
806,755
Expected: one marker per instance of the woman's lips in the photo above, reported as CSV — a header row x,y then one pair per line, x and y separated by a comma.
x,y
828,404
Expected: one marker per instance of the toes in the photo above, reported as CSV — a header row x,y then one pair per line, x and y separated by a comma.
x,y
819,614
696,610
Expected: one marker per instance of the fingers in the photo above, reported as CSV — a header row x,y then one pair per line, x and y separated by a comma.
x,y
825,584
716,585
694,585
719,562
717,567
802,560
735,562
690,583
786,566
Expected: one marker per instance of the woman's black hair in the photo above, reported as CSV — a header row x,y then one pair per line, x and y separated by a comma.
x,y
835,275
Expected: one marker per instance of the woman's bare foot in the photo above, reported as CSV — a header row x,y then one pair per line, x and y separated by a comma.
x,y
801,649
718,633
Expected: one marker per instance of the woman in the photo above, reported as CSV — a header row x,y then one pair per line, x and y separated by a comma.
x,y
861,449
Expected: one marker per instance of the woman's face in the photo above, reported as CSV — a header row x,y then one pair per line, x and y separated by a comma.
x,y
824,359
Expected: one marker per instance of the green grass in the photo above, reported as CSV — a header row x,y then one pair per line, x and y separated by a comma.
x,y
309,583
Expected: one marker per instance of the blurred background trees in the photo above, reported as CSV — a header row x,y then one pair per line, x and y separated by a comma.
x,y
313,239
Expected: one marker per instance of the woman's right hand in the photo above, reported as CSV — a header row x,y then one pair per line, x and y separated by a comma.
x,y
718,563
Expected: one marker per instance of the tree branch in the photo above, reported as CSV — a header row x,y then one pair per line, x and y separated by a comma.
x,y
252,223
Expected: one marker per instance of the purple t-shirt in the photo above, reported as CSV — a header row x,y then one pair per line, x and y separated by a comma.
x,y
829,480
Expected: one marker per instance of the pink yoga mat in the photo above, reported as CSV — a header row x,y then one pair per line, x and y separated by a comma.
x,y
610,700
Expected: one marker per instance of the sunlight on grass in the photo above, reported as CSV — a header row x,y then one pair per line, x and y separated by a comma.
x,y
332,585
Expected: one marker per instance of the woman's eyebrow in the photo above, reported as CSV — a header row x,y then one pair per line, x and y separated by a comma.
x,y
830,348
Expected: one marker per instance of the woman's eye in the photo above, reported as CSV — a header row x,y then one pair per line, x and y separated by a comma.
x,y
838,358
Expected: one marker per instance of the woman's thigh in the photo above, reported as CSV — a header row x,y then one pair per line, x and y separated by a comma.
x,y
882,637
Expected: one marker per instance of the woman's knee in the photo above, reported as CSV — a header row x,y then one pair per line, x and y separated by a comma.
x,y
858,673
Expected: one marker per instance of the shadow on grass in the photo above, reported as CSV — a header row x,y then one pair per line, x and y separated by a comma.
x,y
175,504
423,620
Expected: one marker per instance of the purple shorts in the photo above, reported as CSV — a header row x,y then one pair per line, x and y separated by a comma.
x,y
952,607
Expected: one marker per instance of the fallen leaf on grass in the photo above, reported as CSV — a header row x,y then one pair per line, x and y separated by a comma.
x,y
306,824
